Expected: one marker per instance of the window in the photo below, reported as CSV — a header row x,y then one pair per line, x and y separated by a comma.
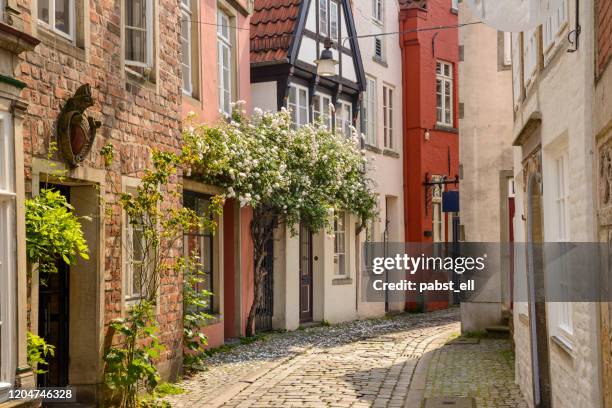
x,y
224,62
388,117
444,93
377,11
562,311
186,60
139,33
554,24
7,255
379,52
516,69
369,112
437,214
321,108
530,54
298,104
455,5
344,118
329,19
339,245
58,16
323,17
2,5
199,243
333,20
507,49
135,282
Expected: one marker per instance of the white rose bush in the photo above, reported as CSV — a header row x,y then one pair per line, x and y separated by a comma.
x,y
288,176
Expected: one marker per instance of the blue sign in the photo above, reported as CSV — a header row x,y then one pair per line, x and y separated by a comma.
x,y
450,201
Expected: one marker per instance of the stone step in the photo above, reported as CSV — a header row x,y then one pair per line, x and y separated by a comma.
x,y
499,331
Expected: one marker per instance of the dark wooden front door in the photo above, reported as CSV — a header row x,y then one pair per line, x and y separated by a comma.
x,y
265,307
53,309
305,274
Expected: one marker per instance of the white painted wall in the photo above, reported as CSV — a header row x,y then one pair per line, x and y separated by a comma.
x,y
263,96
385,170
563,94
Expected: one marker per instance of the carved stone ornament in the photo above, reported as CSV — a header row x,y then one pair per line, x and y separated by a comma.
x,y
605,175
76,131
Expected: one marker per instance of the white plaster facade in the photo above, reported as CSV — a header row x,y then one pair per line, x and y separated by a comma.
x,y
485,155
387,158
553,99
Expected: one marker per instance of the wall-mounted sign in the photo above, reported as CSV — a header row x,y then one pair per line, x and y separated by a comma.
x,y
76,131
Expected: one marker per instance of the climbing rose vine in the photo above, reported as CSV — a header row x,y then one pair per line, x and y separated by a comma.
x,y
287,175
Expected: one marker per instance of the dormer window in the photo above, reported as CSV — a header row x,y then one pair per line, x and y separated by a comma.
x,y
329,19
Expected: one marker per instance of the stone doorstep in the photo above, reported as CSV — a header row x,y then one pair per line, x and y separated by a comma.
x,y
449,402
26,403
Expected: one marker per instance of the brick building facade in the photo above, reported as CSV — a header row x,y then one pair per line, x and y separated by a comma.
x,y
129,54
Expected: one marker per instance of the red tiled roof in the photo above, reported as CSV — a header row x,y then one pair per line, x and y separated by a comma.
x,y
272,27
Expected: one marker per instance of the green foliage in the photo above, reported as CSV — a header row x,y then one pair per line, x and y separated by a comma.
x,y
38,350
287,175
166,388
195,304
325,323
53,231
130,365
298,174
108,153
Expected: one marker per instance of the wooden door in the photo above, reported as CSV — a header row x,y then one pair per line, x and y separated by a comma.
x,y
305,274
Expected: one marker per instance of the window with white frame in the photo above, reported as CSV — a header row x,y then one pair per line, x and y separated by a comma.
x,y
58,16
561,312
224,62
298,104
135,282
377,11
7,255
369,112
444,93
2,5
388,94
340,245
334,21
139,33
186,40
323,17
554,24
344,118
321,108
530,54
455,5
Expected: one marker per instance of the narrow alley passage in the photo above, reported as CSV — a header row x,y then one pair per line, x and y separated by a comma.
x,y
358,364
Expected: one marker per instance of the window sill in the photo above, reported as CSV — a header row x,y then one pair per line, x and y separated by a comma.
x,y
454,11
138,79
391,153
563,344
61,43
380,61
372,148
342,281
446,128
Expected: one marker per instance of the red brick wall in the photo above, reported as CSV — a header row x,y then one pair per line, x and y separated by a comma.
x,y
603,16
136,116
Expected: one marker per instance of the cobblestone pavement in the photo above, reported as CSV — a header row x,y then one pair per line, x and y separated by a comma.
x,y
357,364
483,371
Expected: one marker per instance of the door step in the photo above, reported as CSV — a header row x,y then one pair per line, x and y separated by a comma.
x,y
498,332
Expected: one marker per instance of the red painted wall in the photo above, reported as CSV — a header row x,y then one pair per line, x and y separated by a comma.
x,y
420,51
